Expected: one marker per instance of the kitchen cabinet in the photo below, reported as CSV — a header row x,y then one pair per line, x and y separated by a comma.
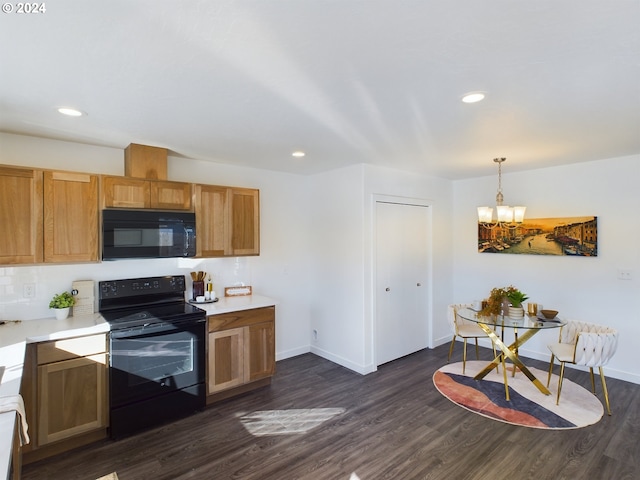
x,y
48,216
70,217
65,393
241,350
227,221
129,192
20,215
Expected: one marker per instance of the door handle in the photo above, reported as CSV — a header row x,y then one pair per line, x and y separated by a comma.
x,y
387,289
419,284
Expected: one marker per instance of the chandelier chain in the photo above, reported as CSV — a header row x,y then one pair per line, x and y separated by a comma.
x,y
499,196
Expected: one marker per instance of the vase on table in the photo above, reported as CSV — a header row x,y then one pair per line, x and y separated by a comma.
x,y
516,313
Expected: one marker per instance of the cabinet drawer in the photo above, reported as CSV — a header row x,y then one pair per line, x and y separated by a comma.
x,y
68,348
241,318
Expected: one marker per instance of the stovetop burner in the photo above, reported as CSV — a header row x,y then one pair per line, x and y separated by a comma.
x,y
132,317
146,301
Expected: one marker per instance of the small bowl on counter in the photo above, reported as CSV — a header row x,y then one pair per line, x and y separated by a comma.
x,y
549,314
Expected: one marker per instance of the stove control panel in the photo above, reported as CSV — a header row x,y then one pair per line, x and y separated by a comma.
x,y
133,287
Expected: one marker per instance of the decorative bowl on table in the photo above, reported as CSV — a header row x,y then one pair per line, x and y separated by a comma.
x,y
549,314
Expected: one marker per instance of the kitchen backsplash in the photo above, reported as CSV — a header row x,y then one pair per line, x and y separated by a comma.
x,y
17,283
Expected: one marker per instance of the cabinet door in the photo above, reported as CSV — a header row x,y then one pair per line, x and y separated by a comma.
x,y
212,221
226,359
261,346
71,398
228,221
70,217
245,221
20,215
124,192
170,195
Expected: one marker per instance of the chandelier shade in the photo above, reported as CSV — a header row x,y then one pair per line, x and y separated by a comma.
x,y
506,216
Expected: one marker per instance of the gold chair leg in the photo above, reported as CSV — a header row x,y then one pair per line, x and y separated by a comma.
x,y
515,333
506,383
604,389
451,348
593,383
550,369
477,351
560,382
464,356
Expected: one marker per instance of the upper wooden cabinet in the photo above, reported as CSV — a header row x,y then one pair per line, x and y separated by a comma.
x,y
48,216
227,221
20,215
53,216
128,192
70,217
171,195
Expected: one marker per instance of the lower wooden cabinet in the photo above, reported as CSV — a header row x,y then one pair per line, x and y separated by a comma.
x,y
71,398
241,350
65,393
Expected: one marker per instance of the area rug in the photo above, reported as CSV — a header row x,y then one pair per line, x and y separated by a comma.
x,y
528,407
111,476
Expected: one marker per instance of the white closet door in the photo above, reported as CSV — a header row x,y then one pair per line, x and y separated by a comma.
x,y
401,280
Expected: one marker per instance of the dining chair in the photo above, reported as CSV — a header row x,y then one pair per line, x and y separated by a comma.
x,y
585,344
464,329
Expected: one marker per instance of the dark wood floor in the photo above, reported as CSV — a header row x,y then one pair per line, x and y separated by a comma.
x,y
395,425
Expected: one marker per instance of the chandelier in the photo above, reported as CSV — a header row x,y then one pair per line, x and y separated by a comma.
x,y
508,216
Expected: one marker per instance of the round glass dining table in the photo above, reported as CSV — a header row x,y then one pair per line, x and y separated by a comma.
x,y
529,324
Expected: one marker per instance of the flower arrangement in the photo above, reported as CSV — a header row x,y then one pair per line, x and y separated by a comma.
x,y
62,300
495,302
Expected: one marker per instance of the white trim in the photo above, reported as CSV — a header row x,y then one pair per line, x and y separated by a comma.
x,y
361,369
294,352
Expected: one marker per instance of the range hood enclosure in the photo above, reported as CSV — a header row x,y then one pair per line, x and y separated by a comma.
x,y
143,161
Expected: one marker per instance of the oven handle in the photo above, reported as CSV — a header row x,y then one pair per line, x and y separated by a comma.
x,y
151,329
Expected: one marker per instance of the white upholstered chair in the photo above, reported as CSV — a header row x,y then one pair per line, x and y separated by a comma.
x,y
584,344
464,329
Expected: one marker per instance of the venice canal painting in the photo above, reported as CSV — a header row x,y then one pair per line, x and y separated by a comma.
x,y
542,236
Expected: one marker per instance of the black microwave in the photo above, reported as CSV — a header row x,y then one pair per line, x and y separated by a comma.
x,y
147,234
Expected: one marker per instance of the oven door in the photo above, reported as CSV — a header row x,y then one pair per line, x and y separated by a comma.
x,y
154,360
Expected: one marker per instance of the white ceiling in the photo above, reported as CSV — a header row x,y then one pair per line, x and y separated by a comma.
x,y
352,81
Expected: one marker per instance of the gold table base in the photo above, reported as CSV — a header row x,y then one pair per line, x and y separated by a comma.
x,y
510,352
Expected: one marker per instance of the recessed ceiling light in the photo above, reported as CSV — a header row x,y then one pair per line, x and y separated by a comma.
x,y
298,154
473,97
72,112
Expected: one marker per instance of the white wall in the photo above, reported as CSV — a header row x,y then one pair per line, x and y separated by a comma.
x,y
343,300
583,288
337,263
280,272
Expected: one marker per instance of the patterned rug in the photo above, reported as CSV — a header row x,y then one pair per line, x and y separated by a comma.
x,y
528,407
111,476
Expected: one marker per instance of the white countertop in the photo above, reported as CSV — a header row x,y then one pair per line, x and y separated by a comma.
x,y
15,335
236,304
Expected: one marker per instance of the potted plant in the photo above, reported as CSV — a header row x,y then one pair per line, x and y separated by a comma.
x,y
516,297
61,303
